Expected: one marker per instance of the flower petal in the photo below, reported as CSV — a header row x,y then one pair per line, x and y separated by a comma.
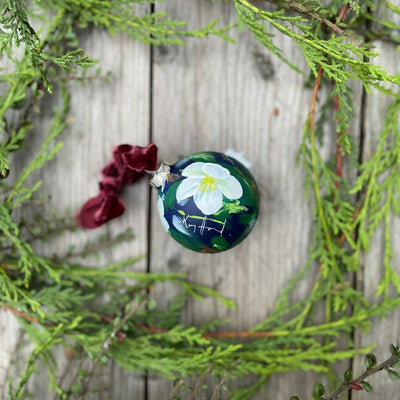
x,y
194,170
160,208
179,225
187,188
208,202
215,171
230,187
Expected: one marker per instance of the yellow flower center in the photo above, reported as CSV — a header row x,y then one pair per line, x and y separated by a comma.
x,y
207,184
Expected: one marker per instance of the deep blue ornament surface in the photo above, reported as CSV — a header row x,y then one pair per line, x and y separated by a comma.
x,y
208,202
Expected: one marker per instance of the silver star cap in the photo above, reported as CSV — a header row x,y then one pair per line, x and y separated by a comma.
x,y
160,176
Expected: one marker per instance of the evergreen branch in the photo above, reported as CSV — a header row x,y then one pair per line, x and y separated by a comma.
x,y
316,51
44,153
133,308
317,191
261,33
155,28
28,259
41,349
302,8
13,17
95,247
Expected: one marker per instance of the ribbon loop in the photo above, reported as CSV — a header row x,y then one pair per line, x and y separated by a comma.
x,y
129,164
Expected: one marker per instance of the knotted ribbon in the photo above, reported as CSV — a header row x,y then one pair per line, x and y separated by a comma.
x,y
129,164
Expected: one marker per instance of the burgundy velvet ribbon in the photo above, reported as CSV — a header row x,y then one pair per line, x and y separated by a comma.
x,y
129,164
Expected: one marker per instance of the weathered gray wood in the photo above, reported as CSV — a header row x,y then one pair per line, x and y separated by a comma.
x,y
102,116
212,95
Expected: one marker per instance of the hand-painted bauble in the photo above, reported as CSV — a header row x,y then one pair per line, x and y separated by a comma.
x,y
208,201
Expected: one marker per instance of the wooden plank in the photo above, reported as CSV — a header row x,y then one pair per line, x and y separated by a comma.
x,y
387,331
212,95
102,116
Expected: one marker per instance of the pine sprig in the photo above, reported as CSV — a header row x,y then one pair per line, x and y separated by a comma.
x,y
45,154
124,15
17,30
342,60
380,175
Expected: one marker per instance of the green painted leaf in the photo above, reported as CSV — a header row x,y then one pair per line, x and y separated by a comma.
x,y
170,196
219,243
204,157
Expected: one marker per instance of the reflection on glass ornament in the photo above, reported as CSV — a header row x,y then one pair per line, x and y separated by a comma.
x,y
208,201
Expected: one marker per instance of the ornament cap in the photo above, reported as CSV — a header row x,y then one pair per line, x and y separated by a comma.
x,y
161,174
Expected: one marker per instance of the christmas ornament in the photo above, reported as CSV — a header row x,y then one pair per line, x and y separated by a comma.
x,y
208,201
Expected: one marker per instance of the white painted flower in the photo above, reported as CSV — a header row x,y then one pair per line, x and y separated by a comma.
x,y
207,183
160,208
179,225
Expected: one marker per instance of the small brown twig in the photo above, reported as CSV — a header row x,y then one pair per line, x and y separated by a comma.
x,y
317,85
27,317
176,389
343,12
302,9
344,387
339,168
200,381
221,383
21,314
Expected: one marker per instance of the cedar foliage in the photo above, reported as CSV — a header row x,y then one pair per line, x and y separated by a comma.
x,y
53,297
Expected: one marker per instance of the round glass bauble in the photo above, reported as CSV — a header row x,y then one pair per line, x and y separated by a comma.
x,y
208,201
